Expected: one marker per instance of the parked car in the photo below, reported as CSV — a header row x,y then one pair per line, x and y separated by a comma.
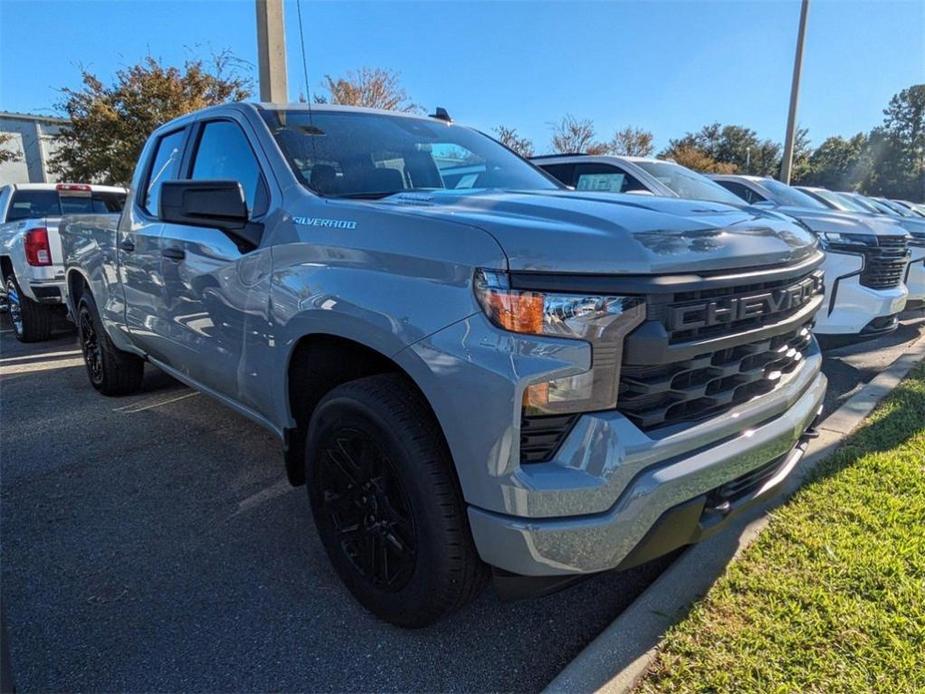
x,y
867,257
619,174
914,277
469,365
847,316
30,249
914,207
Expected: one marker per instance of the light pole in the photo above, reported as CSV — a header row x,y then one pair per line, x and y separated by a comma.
x,y
787,163
271,51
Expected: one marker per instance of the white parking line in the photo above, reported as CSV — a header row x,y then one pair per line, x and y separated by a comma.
x,y
17,369
147,404
40,355
263,495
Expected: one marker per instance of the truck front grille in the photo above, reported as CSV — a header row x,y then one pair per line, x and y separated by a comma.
x,y
885,265
652,396
728,310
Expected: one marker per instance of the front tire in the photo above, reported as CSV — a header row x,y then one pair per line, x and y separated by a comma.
x,y
31,321
387,504
111,371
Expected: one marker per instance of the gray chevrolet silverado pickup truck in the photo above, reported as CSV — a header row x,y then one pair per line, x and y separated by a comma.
x,y
472,369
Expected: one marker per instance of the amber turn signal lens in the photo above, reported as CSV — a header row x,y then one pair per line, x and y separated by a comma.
x,y
520,312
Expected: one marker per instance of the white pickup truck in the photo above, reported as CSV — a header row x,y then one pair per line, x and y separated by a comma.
x,y
30,248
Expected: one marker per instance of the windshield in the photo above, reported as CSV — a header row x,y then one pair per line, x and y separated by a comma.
x,y
896,209
855,204
688,184
784,195
835,201
371,155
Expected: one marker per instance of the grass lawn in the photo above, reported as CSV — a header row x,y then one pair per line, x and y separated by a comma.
x,y
831,597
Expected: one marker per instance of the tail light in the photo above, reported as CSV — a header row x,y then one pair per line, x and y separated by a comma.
x,y
36,244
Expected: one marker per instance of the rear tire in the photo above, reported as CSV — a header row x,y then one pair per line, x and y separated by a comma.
x,y
387,504
31,321
111,371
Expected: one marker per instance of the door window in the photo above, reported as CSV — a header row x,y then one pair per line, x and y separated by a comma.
x,y
225,154
165,164
563,172
605,178
744,192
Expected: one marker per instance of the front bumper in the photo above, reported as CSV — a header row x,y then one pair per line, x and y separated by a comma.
x,y
602,541
849,307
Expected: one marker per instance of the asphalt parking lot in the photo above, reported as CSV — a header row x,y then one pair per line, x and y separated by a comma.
x,y
152,543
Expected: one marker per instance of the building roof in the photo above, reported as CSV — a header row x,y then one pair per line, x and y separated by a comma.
x,y
14,115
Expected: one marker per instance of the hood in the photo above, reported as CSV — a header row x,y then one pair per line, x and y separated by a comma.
x,y
822,221
606,233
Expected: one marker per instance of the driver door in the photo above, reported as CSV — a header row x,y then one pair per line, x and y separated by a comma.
x,y
216,287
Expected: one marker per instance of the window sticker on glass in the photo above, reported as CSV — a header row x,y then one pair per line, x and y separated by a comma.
x,y
601,183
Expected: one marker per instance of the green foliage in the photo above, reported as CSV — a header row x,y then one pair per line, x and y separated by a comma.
x,y
831,598
732,145
110,123
838,163
7,155
897,148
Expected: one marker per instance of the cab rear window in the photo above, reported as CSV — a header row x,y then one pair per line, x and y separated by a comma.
x,y
52,203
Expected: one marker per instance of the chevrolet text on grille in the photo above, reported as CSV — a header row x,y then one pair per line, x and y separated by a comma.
x,y
706,313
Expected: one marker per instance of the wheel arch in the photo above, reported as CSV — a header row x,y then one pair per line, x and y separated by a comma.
x,y
321,361
77,284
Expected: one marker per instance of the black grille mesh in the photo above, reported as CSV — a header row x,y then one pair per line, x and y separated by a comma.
x,y
885,265
709,384
540,436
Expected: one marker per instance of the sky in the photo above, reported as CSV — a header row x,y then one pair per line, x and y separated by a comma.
x,y
669,67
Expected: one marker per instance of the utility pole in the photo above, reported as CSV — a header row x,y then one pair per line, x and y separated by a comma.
x,y
271,51
787,164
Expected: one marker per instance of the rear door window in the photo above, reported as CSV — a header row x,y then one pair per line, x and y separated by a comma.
x,y
165,163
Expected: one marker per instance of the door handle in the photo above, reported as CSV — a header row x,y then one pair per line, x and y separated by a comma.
x,y
173,253
127,245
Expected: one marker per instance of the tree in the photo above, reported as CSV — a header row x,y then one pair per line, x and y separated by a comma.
x,y
802,153
7,155
573,136
838,163
732,144
369,87
109,124
695,158
632,142
509,138
897,148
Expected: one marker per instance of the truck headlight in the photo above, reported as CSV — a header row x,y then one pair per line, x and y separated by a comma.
x,y
917,240
603,321
837,239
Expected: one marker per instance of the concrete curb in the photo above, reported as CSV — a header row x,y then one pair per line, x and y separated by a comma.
x,y
618,658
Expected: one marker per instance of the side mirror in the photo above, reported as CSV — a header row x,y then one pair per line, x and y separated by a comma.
x,y
641,191
215,204
764,204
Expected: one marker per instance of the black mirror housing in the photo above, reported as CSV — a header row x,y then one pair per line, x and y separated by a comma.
x,y
217,204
